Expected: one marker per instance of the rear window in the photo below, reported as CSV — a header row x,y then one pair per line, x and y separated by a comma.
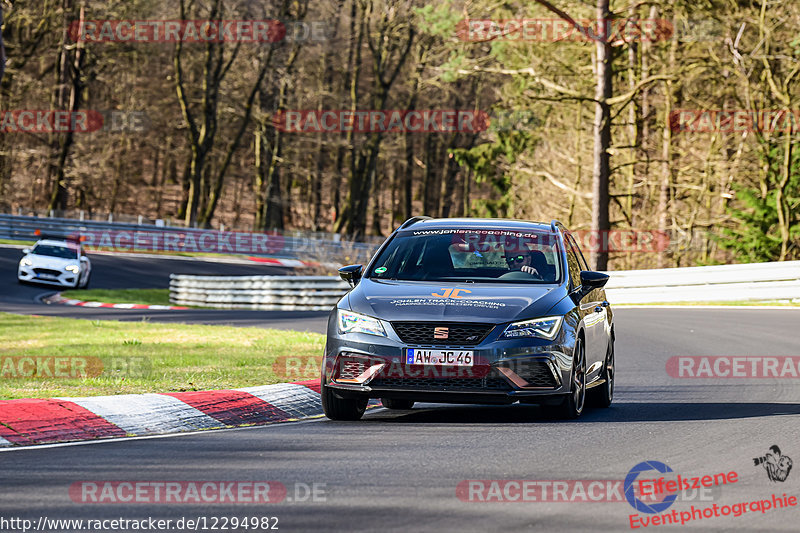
x,y
505,256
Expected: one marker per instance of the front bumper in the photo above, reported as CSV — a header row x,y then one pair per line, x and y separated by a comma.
x,y
51,277
505,370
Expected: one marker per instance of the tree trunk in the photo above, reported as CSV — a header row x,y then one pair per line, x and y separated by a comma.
x,y
602,138
781,203
68,97
666,156
408,177
449,172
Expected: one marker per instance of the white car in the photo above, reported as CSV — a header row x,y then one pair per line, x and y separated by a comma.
x,y
55,262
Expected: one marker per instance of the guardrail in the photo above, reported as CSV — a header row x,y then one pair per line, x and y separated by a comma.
x,y
720,283
758,281
269,293
142,237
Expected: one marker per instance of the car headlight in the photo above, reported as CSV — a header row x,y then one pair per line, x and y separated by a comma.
x,y
72,268
542,328
350,322
26,262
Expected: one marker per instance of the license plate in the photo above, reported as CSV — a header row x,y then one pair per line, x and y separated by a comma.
x,y
416,356
46,276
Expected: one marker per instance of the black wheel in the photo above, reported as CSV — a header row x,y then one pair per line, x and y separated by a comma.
x,y
603,395
340,408
397,404
572,405
86,283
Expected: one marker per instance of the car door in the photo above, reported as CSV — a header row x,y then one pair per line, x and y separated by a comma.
x,y
591,310
585,312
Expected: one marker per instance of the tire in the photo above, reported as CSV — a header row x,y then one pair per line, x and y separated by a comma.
x,y
86,283
340,408
400,405
603,395
572,406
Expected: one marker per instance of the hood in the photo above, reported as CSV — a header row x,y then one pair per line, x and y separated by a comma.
x,y
470,302
48,261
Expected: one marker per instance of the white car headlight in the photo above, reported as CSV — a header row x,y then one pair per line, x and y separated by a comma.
x,y
26,262
350,322
542,328
72,268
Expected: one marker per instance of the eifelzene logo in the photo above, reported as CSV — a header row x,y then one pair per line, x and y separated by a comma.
x,y
451,293
441,333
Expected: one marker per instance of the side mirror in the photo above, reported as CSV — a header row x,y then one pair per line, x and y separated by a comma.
x,y
26,251
351,274
590,280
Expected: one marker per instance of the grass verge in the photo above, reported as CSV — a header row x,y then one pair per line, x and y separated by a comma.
x,y
139,357
121,296
20,243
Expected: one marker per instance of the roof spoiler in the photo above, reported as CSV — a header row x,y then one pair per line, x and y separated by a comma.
x,y
414,220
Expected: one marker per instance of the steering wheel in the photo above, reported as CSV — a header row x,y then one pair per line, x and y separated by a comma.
x,y
518,274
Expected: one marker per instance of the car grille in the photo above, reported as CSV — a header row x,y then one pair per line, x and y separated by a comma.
x,y
536,373
351,369
441,384
457,334
47,271
352,366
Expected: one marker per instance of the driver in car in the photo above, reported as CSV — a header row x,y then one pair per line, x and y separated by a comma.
x,y
521,262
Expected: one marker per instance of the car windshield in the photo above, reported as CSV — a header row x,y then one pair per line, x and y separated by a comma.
x,y
472,255
55,251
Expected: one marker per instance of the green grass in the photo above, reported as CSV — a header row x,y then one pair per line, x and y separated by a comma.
x,y
138,357
168,253
20,243
733,303
121,296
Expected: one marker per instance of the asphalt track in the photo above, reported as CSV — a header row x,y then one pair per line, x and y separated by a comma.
x,y
398,471
145,272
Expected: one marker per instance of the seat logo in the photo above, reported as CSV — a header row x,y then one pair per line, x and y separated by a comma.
x,y
441,333
451,293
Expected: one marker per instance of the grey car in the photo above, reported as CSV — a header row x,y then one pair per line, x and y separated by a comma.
x,y
483,311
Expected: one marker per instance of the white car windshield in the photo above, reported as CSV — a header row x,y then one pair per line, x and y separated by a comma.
x,y
55,251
